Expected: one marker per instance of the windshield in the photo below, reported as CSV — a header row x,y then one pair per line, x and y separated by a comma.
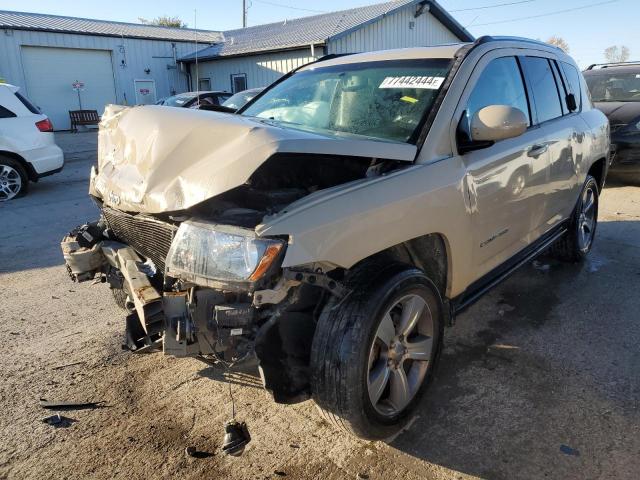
x,y
179,100
614,87
386,100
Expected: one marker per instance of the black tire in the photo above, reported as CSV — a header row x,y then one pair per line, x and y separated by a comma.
x,y
120,296
343,342
571,247
17,167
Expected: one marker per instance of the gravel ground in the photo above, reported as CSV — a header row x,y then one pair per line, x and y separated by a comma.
x,y
537,380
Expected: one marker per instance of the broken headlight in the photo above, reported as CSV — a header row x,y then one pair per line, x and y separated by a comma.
x,y
206,253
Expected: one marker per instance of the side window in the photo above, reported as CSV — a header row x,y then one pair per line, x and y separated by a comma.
x,y
573,79
499,84
543,85
562,88
6,113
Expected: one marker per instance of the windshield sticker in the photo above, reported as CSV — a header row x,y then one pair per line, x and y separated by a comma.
x,y
409,99
432,83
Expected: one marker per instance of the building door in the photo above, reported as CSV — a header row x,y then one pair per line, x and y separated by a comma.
x,y
145,92
50,74
238,82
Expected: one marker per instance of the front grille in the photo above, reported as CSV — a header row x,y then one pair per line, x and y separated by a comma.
x,y
149,237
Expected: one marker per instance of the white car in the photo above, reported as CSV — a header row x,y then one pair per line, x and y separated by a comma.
x,y
28,150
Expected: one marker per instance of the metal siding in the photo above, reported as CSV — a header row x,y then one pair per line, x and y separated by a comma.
x,y
393,31
139,54
261,70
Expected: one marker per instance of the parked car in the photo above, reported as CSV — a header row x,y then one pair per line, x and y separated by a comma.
x,y
615,90
195,99
240,99
28,150
334,226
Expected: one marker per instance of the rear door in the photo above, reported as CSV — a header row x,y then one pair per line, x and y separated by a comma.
x,y
561,130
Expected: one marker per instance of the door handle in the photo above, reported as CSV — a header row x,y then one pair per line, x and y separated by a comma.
x,y
537,150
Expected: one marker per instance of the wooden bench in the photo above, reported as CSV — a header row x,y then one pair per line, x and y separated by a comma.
x,y
83,117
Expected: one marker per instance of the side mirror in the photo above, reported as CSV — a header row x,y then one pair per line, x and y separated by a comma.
x,y
572,105
497,122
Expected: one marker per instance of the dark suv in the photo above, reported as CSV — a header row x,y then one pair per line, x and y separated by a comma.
x,y
615,90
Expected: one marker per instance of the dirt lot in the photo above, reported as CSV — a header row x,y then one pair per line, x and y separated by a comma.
x,y
538,380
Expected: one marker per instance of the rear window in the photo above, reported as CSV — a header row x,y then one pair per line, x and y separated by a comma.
x,y
30,106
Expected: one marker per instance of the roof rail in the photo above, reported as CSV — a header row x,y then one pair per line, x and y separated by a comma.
x,y
504,38
612,64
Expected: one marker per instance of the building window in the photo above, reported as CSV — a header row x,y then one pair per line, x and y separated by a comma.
x,y
204,84
238,82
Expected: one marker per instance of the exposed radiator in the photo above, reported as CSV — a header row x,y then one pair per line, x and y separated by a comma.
x,y
149,237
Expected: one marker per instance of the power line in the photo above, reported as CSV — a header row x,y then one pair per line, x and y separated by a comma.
x,y
491,6
547,14
289,6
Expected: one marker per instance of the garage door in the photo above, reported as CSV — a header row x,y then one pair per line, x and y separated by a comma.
x,y
51,72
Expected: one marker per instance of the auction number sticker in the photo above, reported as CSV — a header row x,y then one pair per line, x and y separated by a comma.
x,y
432,83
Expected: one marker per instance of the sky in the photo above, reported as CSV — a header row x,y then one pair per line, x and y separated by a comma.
x,y
588,26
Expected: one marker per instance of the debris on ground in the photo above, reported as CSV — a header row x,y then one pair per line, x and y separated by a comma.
x,y
538,265
65,365
58,421
63,405
567,450
195,453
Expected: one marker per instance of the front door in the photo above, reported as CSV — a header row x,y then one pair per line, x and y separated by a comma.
x,y
504,180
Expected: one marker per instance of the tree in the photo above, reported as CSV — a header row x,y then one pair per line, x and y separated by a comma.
x,y
164,21
559,42
615,53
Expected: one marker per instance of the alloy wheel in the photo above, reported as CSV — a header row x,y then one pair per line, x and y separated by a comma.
x,y
587,219
400,354
10,182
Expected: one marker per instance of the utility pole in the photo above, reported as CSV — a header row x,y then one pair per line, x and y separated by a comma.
x,y
244,13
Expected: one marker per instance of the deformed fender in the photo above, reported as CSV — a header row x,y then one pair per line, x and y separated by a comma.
x,y
346,225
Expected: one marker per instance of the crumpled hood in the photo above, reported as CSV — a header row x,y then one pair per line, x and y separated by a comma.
x,y
156,159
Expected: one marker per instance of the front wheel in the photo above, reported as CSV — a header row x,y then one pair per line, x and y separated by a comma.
x,y
374,352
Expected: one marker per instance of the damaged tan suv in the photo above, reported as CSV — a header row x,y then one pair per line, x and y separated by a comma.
x,y
332,227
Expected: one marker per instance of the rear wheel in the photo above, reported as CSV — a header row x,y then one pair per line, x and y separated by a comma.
x,y
375,351
577,243
14,180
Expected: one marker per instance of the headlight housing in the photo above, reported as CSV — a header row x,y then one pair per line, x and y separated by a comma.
x,y
211,254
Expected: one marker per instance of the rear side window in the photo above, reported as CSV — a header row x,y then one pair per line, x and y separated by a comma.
x,y
6,113
30,106
543,85
499,84
573,79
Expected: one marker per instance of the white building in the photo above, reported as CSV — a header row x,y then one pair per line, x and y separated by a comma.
x,y
257,56
113,62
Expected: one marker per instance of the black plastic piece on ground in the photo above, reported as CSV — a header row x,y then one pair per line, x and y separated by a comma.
x,y
236,437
